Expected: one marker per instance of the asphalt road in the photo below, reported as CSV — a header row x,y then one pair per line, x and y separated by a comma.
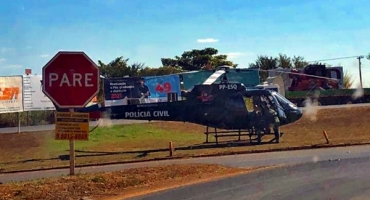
x,y
246,160
345,179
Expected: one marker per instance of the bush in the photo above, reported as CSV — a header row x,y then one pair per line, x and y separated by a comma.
x,y
29,118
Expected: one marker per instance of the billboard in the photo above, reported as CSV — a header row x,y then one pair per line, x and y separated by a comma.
x,y
33,97
135,90
118,91
11,97
160,86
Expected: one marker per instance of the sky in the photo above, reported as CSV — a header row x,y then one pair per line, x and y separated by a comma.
x,y
145,31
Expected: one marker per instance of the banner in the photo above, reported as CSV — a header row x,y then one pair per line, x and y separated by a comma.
x,y
11,97
118,91
33,97
160,86
136,90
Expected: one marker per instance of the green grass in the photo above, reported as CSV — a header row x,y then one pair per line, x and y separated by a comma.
x,y
39,150
133,135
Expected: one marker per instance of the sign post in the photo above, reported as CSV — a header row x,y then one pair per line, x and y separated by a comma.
x,y
71,80
72,156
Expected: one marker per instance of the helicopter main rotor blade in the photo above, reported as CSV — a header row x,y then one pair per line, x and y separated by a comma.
x,y
213,77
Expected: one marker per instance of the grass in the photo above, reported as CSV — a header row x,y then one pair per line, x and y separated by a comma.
x,y
38,150
108,185
137,142
122,138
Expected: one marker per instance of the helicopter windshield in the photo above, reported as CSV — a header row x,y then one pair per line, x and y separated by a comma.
x,y
282,100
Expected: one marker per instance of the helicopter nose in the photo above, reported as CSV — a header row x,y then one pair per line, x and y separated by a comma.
x,y
295,115
299,114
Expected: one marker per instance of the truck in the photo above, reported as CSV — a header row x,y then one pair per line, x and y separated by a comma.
x,y
315,82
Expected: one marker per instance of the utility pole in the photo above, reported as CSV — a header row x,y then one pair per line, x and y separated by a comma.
x,y
359,68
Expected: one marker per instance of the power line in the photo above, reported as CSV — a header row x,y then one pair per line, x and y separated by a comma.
x,y
339,58
295,73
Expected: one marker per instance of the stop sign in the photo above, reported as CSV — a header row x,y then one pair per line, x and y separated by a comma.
x,y
70,79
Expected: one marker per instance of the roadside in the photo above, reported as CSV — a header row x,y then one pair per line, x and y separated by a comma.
x,y
110,185
149,141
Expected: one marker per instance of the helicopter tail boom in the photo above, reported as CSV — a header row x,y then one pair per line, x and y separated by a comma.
x,y
167,111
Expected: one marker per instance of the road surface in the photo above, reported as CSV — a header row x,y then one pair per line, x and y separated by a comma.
x,y
347,179
246,160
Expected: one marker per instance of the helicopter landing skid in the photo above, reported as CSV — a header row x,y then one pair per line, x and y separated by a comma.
x,y
239,132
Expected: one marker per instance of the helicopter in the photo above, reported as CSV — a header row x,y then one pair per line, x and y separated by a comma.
x,y
224,105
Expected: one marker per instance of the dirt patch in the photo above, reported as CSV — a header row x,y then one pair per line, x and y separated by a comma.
x,y
19,141
110,184
342,125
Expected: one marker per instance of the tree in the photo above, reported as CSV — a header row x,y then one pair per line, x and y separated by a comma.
x,y
198,59
347,80
284,61
299,62
164,70
118,67
368,56
265,63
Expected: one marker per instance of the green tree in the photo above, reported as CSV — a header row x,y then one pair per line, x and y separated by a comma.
x,y
265,63
118,67
164,70
368,56
284,61
347,80
299,62
198,59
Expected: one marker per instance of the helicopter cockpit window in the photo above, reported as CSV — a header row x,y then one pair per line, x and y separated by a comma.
x,y
267,102
282,100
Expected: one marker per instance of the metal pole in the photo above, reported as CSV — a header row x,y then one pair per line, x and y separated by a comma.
x,y
359,68
72,156
19,121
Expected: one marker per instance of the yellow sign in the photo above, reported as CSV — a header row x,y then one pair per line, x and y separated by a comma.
x,y
248,103
71,126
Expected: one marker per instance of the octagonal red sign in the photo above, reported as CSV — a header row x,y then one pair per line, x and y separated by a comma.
x,y
70,79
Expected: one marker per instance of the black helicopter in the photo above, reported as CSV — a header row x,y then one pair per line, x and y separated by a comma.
x,y
219,105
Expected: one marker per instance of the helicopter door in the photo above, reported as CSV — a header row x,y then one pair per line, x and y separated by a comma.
x,y
281,112
274,103
235,104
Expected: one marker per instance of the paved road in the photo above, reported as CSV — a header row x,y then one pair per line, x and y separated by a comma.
x,y
345,179
246,160
52,126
